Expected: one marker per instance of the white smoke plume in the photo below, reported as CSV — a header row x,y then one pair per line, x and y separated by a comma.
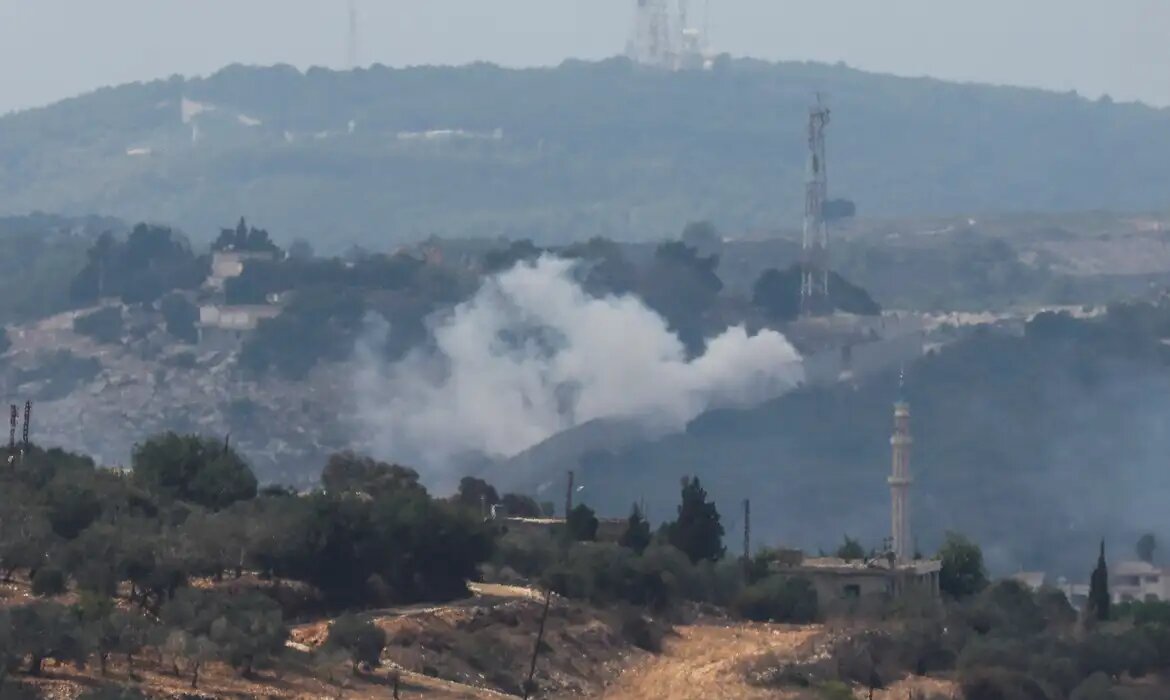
x,y
532,354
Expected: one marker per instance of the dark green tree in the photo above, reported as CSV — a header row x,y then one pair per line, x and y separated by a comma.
x,y
1146,546
637,533
348,472
192,468
150,262
778,599
361,639
1099,601
520,505
181,317
48,631
476,493
104,325
850,550
112,692
962,573
72,506
582,523
777,293
697,532
244,238
48,581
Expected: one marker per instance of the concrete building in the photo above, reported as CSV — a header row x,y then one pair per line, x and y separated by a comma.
x,y
226,264
1032,580
838,579
223,327
1129,581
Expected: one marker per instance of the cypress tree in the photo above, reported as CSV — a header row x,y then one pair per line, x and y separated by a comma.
x,y
1099,589
637,534
697,532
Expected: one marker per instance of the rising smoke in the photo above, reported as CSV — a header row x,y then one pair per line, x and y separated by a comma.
x,y
532,354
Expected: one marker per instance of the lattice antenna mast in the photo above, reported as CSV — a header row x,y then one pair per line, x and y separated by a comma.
x,y
651,44
27,422
814,282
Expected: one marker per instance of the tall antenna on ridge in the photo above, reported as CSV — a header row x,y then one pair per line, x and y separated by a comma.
x,y
814,276
652,43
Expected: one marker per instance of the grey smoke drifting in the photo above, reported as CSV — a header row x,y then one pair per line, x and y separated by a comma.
x,y
531,355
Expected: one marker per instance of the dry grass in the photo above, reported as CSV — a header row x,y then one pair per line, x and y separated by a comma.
x,y
219,681
707,660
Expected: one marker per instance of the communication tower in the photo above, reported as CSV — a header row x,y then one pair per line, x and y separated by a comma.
x,y
814,278
651,44
692,40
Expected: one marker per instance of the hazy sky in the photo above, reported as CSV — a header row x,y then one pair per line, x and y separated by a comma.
x,y
51,49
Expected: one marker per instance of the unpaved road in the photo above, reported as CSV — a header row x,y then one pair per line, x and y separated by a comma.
x,y
707,661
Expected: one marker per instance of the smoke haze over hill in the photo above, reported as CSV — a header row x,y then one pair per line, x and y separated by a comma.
x,y
532,354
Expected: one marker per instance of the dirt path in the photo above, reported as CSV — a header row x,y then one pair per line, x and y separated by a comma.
x,y
707,660
307,636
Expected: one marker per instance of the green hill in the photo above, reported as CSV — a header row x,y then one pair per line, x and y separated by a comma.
x,y
1034,445
569,152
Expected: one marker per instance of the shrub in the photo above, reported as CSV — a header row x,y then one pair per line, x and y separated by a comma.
x,y
112,692
104,325
48,581
639,631
361,639
1095,687
180,316
582,524
834,690
1000,684
778,599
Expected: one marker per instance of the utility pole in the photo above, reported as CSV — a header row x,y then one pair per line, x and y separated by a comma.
x,y
539,641
569,496
27,420
747,533
814,277
12,415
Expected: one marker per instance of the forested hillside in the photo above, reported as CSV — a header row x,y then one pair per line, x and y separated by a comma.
x,y
1036,445
555,154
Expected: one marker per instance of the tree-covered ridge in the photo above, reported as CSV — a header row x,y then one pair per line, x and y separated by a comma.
x,y
1030,443
183,563
582,149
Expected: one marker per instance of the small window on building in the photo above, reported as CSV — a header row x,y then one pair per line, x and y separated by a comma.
x,y
1151,598
853,591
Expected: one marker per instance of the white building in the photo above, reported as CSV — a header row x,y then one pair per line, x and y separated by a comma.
x,y
1129,581
226,264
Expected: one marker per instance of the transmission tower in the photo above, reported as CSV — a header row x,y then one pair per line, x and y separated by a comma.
x,y
814,279
652,43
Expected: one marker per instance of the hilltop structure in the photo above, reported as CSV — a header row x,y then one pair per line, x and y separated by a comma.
x,y
814,280
665,36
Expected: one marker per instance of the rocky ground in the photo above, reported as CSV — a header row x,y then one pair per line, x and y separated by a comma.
x,y
102,398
